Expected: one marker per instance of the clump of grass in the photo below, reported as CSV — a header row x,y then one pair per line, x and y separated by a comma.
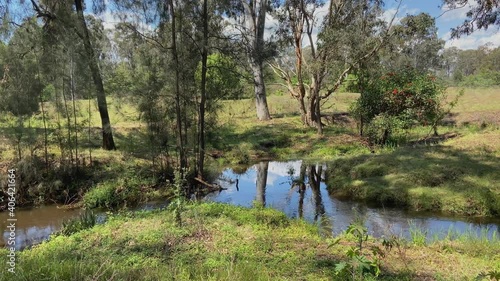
x,y
418,235
85,221
111,194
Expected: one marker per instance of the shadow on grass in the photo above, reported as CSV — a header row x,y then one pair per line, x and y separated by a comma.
x,y
432,178
135,142
266,137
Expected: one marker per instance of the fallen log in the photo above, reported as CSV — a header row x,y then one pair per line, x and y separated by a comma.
x,y
211,187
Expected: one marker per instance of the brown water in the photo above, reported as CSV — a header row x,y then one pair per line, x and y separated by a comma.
x,y
296,188
34,225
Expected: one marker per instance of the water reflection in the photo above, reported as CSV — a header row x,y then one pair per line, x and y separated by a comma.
x,y
299,190
261,181
35,225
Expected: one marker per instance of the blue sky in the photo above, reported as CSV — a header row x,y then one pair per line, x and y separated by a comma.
x,y
446,21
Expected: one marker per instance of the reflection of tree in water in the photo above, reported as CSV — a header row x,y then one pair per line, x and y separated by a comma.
x,y
300,183
262,169
312,175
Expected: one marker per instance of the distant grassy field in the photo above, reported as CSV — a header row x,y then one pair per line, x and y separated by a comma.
x,y
238,124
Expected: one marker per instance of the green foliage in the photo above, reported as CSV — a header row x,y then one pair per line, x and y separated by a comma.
x,y
223,79
399,100
350,84
418,236
490,275
416,43
102,195
20,84
177,204
48,93
125,191
84,221
362,261
482,79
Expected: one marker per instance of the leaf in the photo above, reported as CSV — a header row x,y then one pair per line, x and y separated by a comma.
x,y
340,267
377,251
333,242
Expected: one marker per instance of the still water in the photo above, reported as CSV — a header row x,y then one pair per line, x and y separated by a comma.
x,y
296,188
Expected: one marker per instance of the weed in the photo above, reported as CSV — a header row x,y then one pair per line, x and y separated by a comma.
x,y
490,275
360,262
418,236
178,202
84,221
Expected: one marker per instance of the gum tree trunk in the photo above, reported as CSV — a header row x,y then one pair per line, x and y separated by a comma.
x,y
255,20
260,92
108,142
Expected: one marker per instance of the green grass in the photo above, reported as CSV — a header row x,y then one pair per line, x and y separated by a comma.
x,y
459,176
223,242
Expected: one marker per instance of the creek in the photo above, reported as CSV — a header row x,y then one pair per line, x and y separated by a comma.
x,y
295,188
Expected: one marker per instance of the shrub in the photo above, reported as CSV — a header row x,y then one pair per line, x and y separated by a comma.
x,y
102,195
112,194
398,101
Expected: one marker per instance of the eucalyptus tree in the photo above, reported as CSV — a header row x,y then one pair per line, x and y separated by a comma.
x,y
19,86
20,83
416,44
481,15
350,33
69,16
449,61
250,17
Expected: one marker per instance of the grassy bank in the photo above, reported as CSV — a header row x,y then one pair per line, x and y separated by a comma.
x,y
459,176
223,242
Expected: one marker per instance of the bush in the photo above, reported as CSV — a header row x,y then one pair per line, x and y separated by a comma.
x,y
482,79
398,101
103,195
111,195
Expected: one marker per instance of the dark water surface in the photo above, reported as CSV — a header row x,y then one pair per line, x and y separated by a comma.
x,y
296,188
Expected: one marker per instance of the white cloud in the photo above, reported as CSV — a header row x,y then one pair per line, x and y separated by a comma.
x,y
473,41
460,13
278,171
109,20
388,14
272,24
